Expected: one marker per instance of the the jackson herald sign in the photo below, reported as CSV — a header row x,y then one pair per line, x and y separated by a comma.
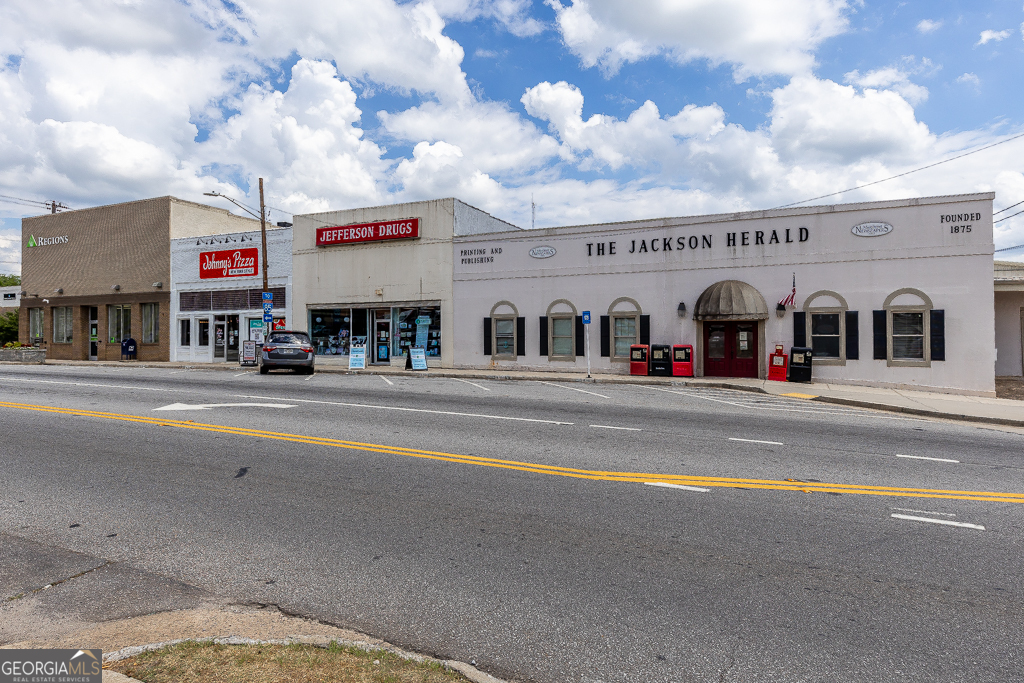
x,y
229,263
403,229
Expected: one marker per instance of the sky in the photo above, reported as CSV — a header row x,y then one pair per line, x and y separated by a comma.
x,y
595,110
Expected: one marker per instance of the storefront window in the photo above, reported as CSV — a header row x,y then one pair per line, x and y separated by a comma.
x,y
420,328
908,336
119,323
150,323
825,335
185,332
62,324
35,325
505,337
331,330
203,330
561,337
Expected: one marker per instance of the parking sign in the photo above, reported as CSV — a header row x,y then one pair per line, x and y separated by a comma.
x,y
586,317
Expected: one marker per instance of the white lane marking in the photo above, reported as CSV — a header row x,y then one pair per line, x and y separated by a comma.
x,y
823,411
208,406
311,376
676,486
107,386
625,429
582,391
239,374
947,522
409,410
922,457
771,443
390,383
479,386
926,512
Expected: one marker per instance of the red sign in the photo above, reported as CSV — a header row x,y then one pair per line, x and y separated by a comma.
x,y
404,229
229,263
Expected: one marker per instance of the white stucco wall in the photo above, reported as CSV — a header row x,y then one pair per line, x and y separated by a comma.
x,y
185,277
189,219
953,269
404,271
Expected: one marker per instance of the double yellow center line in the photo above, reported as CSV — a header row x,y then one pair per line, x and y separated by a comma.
x,y
597,475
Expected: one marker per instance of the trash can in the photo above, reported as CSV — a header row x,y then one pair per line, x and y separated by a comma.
x,y
638,359
682,360
800,364
661,360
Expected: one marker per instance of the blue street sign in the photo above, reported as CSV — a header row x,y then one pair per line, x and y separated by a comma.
x,y
586,317
268,296
268,317
268,307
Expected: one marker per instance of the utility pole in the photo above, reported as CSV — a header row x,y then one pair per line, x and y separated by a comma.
x,y
263,235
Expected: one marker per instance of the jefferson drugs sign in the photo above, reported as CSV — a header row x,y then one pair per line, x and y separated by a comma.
x,y
230,263
404,229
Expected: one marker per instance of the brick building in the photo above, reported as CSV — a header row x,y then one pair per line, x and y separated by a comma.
x,y
94,277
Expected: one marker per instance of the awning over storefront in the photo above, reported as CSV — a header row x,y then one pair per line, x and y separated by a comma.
x,y
730,300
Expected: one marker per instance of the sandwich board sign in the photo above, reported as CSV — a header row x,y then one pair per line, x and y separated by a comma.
x,y
357,358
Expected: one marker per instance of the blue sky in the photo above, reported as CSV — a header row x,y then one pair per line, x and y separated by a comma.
x,y
598,110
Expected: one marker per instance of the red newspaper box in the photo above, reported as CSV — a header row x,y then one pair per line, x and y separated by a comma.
x,y
638,359
777,364
682,360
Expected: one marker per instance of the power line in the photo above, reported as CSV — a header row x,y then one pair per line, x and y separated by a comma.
x,y
1005,218
900,175
1009,248
1007,208
53,205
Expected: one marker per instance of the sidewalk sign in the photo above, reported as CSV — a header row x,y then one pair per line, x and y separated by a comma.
x,y
357,358
419,358
248,356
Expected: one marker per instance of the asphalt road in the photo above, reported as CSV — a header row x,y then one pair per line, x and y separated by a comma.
x,y
489,521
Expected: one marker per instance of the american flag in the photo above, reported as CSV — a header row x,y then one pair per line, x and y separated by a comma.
x,y
791,299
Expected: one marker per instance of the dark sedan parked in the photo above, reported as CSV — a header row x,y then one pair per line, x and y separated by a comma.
x,y
287,349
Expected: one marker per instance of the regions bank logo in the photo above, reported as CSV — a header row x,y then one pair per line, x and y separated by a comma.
x,y
45,241
51,666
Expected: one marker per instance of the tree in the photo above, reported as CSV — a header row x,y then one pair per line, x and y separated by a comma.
x,y
9,280
8,327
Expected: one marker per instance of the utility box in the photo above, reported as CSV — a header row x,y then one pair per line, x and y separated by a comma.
x,y
661,360
638,359
682,360
800,364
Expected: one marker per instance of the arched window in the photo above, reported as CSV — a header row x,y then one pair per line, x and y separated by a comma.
x,y
826,327
624,315
561,330
908,326
504,331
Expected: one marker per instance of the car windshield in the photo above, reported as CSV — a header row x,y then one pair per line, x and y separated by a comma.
x,y
288,338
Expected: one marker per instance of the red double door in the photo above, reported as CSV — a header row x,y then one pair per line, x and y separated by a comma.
x,y
730,349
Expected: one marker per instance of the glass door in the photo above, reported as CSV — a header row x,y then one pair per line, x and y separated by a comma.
x,y
744,361
382,336
220,337
232,345
716,355
94,332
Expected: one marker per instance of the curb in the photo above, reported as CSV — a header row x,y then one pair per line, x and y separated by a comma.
x,y
471,672
1004,421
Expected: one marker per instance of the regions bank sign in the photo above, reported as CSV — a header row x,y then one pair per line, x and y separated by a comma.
x,y
403,229
229,263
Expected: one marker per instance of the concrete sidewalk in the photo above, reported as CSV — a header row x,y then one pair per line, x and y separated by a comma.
x,y
982,409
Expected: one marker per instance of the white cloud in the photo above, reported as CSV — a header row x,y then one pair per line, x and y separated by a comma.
x,y
514,15
755,37
897,78
928,26
970,78
988,36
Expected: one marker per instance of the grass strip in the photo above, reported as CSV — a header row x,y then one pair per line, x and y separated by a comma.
x,y
298,663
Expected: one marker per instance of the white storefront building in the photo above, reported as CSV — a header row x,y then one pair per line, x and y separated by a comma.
x,y
892,293
217,291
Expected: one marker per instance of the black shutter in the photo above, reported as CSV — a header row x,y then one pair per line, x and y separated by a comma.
x,y
543,335
852,336
581,349
487,336
938,329
645,329
799,329
520,337
880,333
606,333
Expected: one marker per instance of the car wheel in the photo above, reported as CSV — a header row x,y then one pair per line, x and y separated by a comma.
x,y
264,369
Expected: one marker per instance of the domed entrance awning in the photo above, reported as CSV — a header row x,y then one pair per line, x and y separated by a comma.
x,y
730,300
